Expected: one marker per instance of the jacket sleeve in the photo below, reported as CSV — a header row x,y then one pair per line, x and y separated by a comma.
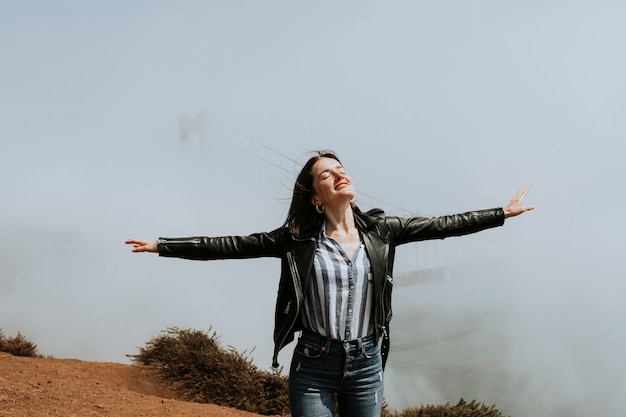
x,y
257,245
404,230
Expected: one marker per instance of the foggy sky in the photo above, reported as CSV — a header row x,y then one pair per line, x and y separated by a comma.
x,y
434,108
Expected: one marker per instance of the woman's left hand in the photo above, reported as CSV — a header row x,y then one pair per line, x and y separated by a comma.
x,y
515,208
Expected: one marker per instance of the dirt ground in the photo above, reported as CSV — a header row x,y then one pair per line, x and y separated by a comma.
x,y
34,387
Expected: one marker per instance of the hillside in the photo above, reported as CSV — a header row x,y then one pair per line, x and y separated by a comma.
x,y
34,387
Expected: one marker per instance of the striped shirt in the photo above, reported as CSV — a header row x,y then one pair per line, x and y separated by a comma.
x,y
339,302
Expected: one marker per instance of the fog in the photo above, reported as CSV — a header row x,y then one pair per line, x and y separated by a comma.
x,y
434,108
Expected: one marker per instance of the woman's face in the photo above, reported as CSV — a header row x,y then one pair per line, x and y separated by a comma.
x,y
331,183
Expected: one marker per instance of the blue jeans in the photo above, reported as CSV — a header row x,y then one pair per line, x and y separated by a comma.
x,y
326,372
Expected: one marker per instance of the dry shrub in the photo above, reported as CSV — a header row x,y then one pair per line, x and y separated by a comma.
x,y
461,409
194,363
18,346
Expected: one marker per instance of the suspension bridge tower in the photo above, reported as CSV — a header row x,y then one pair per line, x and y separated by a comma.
x,y
198,124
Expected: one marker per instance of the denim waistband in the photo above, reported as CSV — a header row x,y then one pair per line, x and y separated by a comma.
x,y
332,344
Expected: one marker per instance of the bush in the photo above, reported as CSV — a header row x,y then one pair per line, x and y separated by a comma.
x,y
194,364
18,346
461,409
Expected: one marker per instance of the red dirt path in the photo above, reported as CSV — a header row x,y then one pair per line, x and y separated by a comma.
x,y
38,387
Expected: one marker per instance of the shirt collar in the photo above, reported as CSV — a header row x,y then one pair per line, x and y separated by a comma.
x,y
322,233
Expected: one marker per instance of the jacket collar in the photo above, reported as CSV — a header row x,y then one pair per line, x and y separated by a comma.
x,y
367,221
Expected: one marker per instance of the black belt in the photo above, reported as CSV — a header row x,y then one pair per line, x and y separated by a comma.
x,y
329,344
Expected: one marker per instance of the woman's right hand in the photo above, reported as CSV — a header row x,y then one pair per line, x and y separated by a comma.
x,y
143,245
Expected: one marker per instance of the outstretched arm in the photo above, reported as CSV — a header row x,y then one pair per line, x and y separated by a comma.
x,y
515,208
143,245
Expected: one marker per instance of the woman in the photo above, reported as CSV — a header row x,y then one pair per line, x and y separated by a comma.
x,y
335,285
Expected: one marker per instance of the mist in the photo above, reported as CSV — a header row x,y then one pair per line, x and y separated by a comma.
x,y
513,329
433,109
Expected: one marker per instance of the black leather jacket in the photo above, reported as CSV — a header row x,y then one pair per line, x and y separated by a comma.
x,y
381,234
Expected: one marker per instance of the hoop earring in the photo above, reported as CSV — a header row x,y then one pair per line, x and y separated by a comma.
x,y
319,209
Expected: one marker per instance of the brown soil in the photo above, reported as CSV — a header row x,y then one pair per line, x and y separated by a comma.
x,y
34,387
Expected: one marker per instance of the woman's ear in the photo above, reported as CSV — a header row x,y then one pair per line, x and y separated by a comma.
x,y
315,201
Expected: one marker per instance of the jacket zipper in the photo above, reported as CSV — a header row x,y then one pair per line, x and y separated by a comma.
x,y
296,286
196,241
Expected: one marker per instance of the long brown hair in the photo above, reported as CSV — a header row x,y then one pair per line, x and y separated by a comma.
x,y
302,218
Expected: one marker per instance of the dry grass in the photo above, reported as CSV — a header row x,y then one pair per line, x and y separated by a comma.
x,y
18,346
461,409
195,364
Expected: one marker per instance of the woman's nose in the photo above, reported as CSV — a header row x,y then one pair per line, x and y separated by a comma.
x,y
340,176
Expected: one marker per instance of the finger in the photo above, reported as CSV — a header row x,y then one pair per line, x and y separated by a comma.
x,y
521,194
